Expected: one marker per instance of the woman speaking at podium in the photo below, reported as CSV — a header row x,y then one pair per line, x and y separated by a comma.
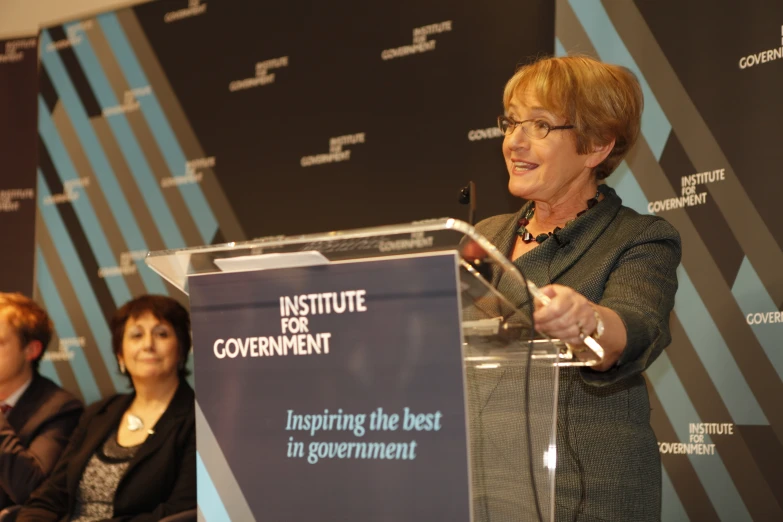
x,y
609,272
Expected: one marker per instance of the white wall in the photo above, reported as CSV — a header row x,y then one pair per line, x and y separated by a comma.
x,y
24,17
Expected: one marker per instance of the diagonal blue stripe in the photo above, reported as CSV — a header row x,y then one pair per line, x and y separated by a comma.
x,y
47,369
624,182
610,47
131,151
715,355
82,207
700,328
752,297
81,284
159,125
209,501
677,405
710,469
559,49
100,165
672,509
64,327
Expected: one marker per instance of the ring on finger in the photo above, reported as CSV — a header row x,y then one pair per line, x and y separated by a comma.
x,y
582,334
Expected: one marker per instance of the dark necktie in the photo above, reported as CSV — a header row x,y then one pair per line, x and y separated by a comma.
x,y
5,408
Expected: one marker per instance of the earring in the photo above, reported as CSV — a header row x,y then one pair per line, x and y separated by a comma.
x,y
122,367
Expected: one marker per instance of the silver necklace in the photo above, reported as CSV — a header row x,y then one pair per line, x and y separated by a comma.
x,y
134,422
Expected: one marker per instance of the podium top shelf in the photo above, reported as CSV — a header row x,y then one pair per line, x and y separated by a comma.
x,y
489,318
427,236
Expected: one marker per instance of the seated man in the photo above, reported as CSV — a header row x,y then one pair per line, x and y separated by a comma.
x,y
36,416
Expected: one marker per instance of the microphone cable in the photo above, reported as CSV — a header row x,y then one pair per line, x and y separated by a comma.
x,y
528,431
565,425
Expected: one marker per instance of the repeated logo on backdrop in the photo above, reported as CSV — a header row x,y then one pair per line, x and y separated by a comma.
x,y
704,164
194,8
18,82
14,49
127,163
134,155
422,42
336,152
11,199
262,77
765,56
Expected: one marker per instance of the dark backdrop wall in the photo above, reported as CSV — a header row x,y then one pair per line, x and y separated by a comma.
x,y
181,123
18,85
709,162
332,73
177,124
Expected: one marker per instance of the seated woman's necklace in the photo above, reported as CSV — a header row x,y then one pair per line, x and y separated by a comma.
x,y
527,237
134,423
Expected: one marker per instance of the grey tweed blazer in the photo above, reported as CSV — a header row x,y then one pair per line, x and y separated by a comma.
x,y
625,261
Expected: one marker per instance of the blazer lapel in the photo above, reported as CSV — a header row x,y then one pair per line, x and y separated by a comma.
x,y
27,405
180,406
582,233
504,237
547,262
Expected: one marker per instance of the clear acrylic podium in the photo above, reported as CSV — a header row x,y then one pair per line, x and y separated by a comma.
x,y
511,376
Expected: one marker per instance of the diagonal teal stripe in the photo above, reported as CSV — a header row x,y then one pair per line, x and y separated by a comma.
x,y
209,501
105,176
712,472
559,49
47,369
677,405
81,284
82,207
700,328
159,125
62,322
672,509
715,354
752,297
624,182
131,151
610,47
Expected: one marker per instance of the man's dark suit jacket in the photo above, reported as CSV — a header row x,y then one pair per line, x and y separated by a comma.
x,y
160,479
627,262
32,437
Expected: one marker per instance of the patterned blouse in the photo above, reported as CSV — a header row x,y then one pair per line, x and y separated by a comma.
x,y
95,496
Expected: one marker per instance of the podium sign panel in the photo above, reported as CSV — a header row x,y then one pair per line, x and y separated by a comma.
x,y
337,392
349,399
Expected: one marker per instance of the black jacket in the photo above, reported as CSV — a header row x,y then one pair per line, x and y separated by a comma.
x,y
160,479
32,437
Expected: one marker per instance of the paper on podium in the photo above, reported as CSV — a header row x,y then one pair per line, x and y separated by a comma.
x,y
269,261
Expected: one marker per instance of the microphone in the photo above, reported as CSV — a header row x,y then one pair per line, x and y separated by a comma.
x,y
464,195
467,196
478,258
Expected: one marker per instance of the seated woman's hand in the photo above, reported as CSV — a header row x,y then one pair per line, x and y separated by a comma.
x,y
568,315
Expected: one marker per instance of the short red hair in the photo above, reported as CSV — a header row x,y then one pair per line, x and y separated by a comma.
x,y
602,101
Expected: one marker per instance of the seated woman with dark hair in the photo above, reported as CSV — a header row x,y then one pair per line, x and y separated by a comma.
x,y
133,456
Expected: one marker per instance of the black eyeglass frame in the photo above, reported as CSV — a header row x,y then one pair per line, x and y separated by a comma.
x,y
513,125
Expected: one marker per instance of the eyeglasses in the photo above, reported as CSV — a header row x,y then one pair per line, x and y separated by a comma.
x,y
536,129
